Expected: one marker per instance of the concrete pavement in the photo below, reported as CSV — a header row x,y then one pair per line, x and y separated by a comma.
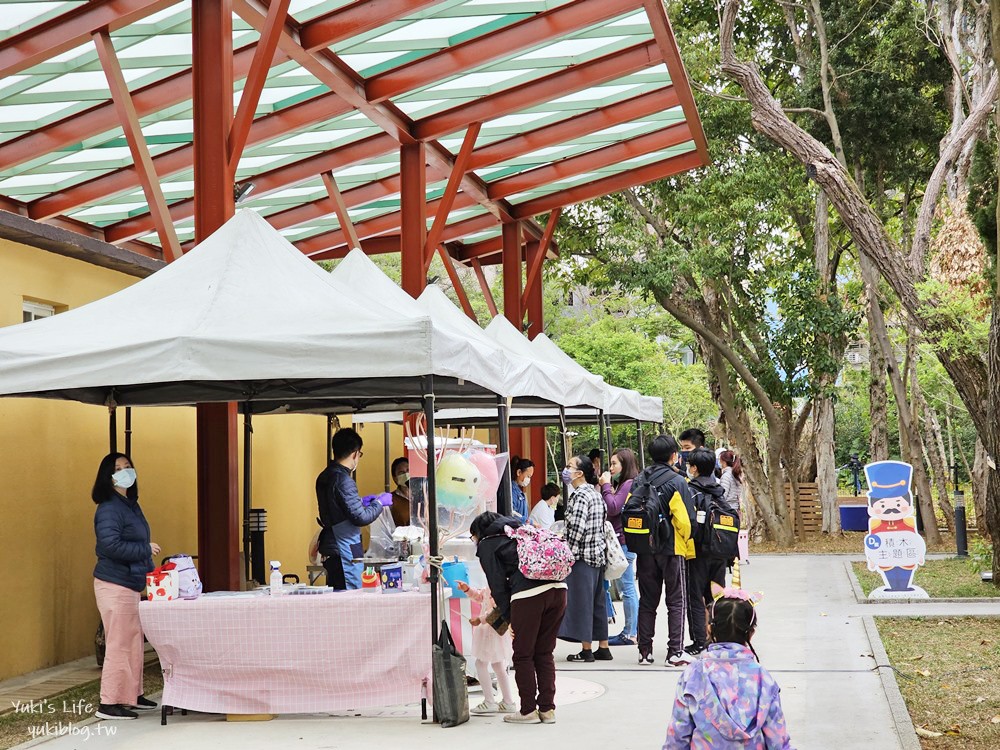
x,y
811,637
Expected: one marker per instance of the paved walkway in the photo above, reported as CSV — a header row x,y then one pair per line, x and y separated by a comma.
x,y
811,637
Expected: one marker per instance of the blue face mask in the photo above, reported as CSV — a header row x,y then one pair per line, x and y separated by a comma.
x,y
124,478
684,455
566,476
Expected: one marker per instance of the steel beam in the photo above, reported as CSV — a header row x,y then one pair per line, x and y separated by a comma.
x,y
70,30
357,18
456,282
539,29
263,56
340,208
491,304
671,56
592,161
538,253
413,221
512,273
137,145
630,178
572,79
218,486
450,191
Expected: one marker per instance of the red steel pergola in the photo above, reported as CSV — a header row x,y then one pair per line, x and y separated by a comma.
x,y
496,182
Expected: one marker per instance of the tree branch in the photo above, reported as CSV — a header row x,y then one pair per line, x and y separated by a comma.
x,y
754,386
973,123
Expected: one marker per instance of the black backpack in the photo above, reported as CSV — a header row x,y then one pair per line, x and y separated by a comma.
x,y
718,535
642,516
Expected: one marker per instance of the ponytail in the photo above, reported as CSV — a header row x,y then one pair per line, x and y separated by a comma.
x,y
733,461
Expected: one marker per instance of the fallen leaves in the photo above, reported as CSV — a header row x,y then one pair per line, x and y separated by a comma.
x,y
927,733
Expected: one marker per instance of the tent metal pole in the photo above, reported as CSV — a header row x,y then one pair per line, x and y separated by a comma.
x,y
247,485
504,501
128,430
329,439
112,429
385,458
432,519
642,448
563,428
611,447
602,439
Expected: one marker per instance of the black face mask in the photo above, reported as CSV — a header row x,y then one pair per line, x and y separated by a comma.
x,y
684,455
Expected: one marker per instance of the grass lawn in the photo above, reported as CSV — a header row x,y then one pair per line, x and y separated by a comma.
x,y
850,542
950,677
939,578
62,711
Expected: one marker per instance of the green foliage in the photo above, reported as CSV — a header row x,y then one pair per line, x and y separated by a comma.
x,y
982,201
980,555
964,330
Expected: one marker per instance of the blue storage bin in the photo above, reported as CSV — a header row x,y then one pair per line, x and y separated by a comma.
x,y
854,517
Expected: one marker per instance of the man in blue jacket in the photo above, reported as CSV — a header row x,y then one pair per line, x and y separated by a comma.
x,y
342,513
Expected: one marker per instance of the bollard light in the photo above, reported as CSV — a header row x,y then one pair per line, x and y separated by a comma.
x,y
961,540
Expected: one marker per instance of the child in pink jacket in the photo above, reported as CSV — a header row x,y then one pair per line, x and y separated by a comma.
x,y
726,699
490,649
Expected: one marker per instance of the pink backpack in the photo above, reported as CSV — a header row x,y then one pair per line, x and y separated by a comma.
x,y
541,555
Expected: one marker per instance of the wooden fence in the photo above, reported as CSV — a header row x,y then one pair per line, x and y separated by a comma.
x,y
810,520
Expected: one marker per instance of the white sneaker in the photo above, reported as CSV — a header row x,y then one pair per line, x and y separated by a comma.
x,y
506,708
484,708
519,718
680,659
547,717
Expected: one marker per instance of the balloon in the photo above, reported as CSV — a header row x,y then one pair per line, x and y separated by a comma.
x,y
487,466
458,482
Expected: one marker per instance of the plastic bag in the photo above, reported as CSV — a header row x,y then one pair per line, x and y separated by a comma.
x,y
381,545
451,697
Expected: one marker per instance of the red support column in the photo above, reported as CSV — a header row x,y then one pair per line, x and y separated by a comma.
x,y
533,296
412,208
218,486
512,302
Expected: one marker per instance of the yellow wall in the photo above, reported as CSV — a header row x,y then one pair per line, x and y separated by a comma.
x,y
49,452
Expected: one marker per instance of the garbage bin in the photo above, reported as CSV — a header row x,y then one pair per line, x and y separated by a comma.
x,y
854,517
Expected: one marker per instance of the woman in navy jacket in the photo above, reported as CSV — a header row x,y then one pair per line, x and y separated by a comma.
x,y
124,557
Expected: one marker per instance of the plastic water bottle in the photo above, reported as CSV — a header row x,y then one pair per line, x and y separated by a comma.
x,y
276,586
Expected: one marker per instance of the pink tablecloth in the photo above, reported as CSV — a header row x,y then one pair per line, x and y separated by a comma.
x,y
291,654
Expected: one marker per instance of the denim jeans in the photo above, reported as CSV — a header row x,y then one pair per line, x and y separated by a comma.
x,y
630,597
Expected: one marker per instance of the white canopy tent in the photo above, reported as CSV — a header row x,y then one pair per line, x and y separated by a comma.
x,y
244,316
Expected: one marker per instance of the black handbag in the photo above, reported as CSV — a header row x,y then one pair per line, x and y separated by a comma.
x,y
451,697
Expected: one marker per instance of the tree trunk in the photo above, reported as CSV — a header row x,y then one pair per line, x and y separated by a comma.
x,y
921,483
980,477
878,439
826,464
936,456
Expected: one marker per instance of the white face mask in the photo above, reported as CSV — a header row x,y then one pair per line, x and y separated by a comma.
x,y
526,481
124,478
402,479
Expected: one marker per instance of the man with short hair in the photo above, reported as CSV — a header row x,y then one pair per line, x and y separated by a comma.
x,y
690,439
664,569
342,513
703,570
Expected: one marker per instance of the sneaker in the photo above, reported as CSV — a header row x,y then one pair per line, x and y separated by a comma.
x,y
484,708
679,659
622,640
584,655
547,717
113,711
519,718
693,649
603,654
142,703
506,708
645,659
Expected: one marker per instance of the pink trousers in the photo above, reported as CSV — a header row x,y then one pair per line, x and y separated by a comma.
x,y
121,678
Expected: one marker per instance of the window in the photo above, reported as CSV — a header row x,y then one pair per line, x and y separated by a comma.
x,y
35,310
